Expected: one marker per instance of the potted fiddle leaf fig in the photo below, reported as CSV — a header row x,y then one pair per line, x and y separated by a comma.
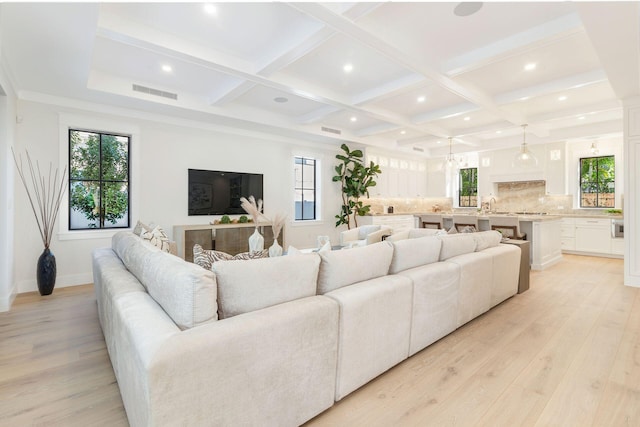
x,y
355,178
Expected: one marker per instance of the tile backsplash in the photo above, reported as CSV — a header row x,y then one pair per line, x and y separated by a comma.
x,y
409,204
528,196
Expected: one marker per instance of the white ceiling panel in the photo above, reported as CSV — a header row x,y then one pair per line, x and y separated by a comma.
x,y
266,98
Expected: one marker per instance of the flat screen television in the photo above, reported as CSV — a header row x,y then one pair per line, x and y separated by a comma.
x,y
219,192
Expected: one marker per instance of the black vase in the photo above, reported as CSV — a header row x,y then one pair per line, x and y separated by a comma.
x,y
46,272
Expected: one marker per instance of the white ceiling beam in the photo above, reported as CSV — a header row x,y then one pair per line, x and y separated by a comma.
x,y
533,38
372,130
388,89
577,111
445,113
614,31
553,86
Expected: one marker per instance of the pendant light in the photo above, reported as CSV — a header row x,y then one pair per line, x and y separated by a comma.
x,y
594,149
450,162
524,158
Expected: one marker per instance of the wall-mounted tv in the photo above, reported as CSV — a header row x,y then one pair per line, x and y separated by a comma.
x,y
219,192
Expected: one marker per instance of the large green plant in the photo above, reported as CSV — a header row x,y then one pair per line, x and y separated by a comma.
x,y
355,179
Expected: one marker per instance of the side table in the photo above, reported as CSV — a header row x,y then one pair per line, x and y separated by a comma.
x,y
523,283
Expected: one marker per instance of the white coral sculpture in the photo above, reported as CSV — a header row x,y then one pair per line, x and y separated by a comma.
x,y
252,208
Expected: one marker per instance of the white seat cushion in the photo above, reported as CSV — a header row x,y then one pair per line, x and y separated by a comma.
x,y
412,253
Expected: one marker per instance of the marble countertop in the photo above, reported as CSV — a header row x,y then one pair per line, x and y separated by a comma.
x,y
521,216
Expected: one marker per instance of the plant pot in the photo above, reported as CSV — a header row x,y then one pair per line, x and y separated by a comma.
x,y
46,272
256,242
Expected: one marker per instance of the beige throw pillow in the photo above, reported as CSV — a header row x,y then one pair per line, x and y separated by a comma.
x,y
158,238
206,257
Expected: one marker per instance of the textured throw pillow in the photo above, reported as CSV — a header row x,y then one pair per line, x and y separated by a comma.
x,y
468,229
140,227
158,238
452,230
206,257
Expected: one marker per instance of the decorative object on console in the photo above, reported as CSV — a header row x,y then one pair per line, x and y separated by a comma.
x,y
524,158
253,208
45,193
355,179
276,226
243,219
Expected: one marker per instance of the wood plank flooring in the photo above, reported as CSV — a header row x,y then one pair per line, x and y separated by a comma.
x,y
564,353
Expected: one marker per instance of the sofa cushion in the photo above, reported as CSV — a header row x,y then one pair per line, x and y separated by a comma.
x,y
261,283
186,292
415,233
456,244
346,267
487,239
412,253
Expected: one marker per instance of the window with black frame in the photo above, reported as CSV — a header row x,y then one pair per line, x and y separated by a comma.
x,y
98,180
468,194
598,182
305,188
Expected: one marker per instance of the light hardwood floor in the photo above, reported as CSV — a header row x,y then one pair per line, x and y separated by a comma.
x,y
565,353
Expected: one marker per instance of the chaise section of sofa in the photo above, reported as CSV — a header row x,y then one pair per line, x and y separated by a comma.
x,y
273,364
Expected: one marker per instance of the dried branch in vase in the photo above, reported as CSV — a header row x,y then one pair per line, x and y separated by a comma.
x,y
45,194
252,208
278,223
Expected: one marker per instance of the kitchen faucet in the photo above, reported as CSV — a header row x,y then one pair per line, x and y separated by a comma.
x,y
491,202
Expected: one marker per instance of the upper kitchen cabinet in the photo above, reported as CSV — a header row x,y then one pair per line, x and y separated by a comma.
x,y
555,167
400,177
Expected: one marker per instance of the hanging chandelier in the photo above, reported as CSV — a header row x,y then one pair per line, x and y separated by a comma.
x,y
450,161
594,149
524,158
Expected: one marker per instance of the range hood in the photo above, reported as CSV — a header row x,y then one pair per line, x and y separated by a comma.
x,y
517,176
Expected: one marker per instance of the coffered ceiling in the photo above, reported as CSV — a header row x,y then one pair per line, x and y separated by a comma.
x,y
402,76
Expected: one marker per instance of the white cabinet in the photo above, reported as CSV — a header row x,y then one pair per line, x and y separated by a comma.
x,y
568,234
593,235
617,246
395,222
400,177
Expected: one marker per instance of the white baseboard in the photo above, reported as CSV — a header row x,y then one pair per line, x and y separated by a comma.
x,y
6,301
61,282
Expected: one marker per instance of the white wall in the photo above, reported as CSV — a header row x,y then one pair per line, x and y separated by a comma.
x,y
166,149
7,126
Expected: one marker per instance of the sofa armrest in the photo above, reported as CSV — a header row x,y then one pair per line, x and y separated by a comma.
x,y
348,236
271,367
376,236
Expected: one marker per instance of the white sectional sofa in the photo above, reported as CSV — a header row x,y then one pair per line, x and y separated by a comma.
x,y
275,341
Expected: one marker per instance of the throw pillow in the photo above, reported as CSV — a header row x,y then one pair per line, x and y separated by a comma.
x,y
325,248
469,229
365,230
206,257
140,227
293,251
452,230
157,237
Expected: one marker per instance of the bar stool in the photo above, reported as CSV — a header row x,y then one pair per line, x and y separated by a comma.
x,y
460,222
509,226
431,221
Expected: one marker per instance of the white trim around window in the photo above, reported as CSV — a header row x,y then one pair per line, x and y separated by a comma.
x,y
318,189
73,121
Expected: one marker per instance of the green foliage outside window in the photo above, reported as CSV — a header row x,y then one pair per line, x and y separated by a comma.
x,y
98,180
468,196
597,182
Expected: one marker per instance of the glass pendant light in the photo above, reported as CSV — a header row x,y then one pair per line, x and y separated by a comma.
x,y
450,162
594,149
524,158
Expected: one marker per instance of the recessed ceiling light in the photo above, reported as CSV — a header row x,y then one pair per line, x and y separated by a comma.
x,y
354,119
281,99
562,98
348,68
167,68
581,118
422,98
524,98
467,8
498,131
530,66
403,132
438,142
466,119
211,9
